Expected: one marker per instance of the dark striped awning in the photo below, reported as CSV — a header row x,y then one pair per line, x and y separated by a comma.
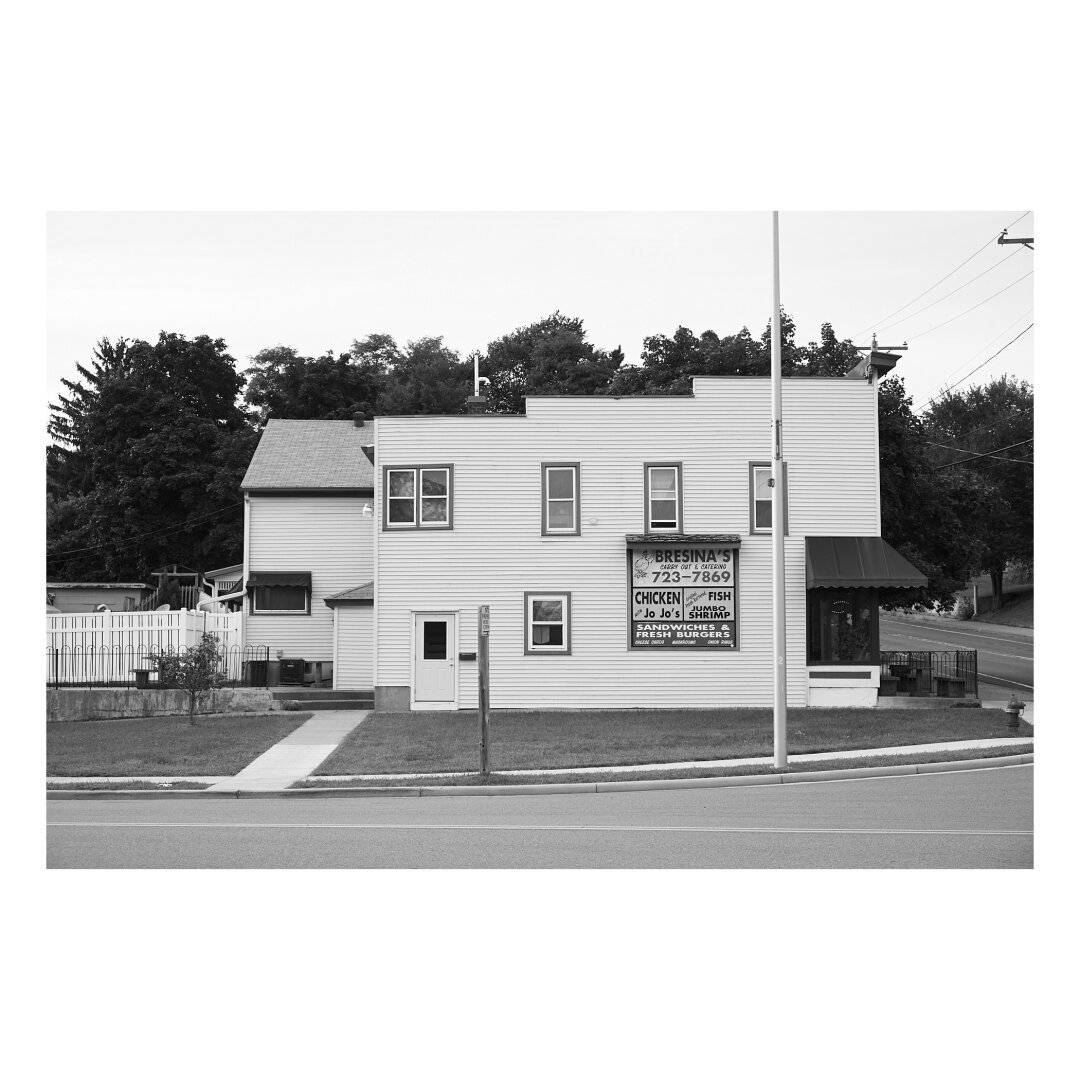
x,y
291,577
857,562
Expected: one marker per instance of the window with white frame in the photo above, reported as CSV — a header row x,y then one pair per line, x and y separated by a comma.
x,y
761,496
663,497
418,497
547,622
561,509
280,593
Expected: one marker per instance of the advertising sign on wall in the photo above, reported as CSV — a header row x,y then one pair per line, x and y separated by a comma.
x,y
683,596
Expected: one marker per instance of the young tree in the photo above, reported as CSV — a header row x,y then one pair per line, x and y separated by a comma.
x,y
149,450
195,671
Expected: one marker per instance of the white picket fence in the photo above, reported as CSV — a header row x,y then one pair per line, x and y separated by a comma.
x,y
104,646
167,630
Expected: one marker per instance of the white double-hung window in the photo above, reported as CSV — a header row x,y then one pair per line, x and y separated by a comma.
x,y
547,622
663,497
418,497
561,499
761,497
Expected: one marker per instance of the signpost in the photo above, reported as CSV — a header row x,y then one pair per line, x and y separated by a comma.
x,y
483,624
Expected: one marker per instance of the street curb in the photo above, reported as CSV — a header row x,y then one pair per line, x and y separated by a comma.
x,y
1020,633
596,788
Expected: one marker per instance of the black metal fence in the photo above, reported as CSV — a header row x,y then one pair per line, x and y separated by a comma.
x,y
75,665
930,674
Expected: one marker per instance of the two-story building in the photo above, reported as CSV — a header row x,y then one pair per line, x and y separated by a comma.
x,y
623,547
309,517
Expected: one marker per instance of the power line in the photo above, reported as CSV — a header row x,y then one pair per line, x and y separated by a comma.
x,y
974,431
982,365
989,453
934,303
992,240
929,397
154,532
923,333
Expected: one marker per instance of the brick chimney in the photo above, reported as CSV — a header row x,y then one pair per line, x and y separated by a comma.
x,y
477,404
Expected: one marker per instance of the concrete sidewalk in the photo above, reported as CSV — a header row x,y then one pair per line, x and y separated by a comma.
x,y
297,754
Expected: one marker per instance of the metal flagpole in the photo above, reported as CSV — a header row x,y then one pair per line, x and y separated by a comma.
x,y
779,611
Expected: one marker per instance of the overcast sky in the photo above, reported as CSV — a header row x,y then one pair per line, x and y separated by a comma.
x,y
316,281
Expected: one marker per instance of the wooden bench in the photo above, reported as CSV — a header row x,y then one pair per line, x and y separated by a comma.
x,y
948,686
142,677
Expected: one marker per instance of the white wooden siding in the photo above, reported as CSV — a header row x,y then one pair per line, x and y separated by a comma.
x,y
495,552
353,663
328,536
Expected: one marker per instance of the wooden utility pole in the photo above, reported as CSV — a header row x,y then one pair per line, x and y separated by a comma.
x,y
483,623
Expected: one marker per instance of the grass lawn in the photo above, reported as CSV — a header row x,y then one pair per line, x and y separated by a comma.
x,y
164,745
448,742
125,785
473,779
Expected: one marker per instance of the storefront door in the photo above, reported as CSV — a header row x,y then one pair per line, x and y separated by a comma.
x,y
435,644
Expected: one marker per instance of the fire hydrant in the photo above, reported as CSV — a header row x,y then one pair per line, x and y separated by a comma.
x,y
1015,709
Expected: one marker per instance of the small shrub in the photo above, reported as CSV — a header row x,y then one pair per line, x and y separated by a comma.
x,y
965,607
290,706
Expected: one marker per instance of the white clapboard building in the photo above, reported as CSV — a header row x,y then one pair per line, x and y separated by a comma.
x,y
623,547
308,551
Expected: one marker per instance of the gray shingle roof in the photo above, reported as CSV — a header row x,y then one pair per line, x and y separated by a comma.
x,y
362,594
311,454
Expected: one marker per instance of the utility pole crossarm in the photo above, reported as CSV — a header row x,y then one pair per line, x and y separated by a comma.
x,y
1027,241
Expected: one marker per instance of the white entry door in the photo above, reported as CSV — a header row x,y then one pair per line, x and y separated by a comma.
x,y
435,673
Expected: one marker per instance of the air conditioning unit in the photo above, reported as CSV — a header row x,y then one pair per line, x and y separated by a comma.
x,y
291,671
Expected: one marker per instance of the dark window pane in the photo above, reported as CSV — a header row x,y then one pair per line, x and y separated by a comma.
x,y
433,509
547,610
547,635
561,483
435,640
401,510
435,482
401,483
280,598
763,514
560,515
663,512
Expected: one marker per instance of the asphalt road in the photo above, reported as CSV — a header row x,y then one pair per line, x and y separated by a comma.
x,y
1006,664
982,818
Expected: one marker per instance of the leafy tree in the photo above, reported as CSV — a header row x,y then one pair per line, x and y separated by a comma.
x,y
920,508
547,357
983,439
195,670
670,363
428,379
148,454
283,385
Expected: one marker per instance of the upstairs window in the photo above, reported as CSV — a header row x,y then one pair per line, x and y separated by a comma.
x,y
418,497
561,508
663,497
761,494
